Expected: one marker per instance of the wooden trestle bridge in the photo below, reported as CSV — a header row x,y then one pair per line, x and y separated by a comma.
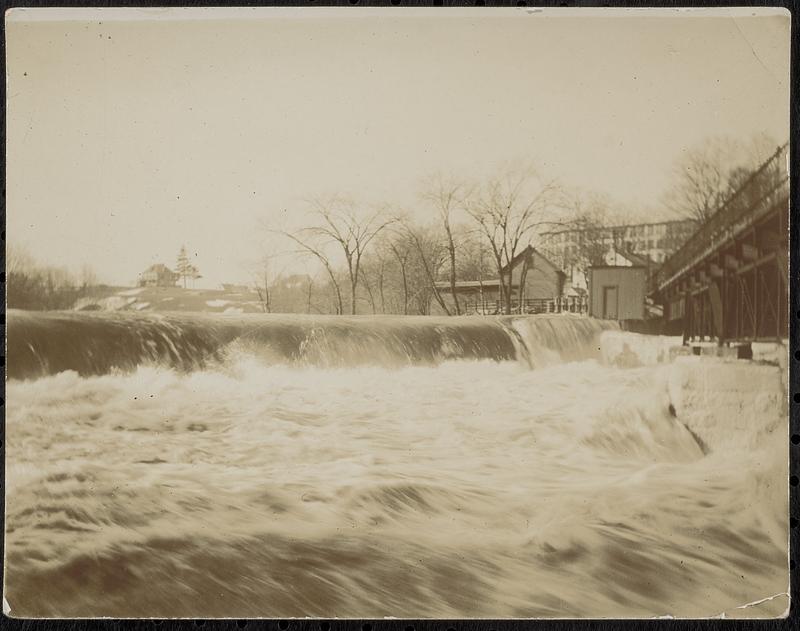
x,y
730,281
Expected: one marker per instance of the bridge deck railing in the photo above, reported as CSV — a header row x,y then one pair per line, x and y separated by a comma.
x,y
766,186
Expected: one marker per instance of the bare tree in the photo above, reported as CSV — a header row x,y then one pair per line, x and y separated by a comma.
x,y
19,260
402,250
397,267
431,255
264,276
589,216
88,277
367,285
323,257
475,263
509,213
30,285
707,174
338,222
475,259
375,273
447,195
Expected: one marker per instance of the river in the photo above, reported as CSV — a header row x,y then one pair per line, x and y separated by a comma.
x,y
201,466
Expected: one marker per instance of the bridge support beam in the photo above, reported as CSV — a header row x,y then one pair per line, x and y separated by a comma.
x,y
749,252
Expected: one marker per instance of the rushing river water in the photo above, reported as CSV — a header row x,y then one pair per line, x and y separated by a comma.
x,y
201,467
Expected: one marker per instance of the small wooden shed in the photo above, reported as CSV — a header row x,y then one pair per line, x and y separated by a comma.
x,y
617,292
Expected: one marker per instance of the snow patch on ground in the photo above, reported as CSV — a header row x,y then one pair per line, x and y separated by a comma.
x,y
217,303
131,292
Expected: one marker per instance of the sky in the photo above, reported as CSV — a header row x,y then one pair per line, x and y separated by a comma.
x,y
132,132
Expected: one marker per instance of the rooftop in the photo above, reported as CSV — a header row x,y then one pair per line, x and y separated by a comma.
x,y
621,226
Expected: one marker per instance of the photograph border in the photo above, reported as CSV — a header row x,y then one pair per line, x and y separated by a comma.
x,y
411,624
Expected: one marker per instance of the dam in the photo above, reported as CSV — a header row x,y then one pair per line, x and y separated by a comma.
x,y
293,466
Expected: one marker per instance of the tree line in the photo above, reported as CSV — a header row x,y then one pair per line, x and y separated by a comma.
x,y
378,259
31,285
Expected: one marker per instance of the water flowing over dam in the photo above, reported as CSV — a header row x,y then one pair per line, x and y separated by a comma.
x,y
291,466
96,344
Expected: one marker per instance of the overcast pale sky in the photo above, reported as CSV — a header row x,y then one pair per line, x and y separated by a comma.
x,y
128,137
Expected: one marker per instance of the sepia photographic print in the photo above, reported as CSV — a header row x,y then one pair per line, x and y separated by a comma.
x,y
397,313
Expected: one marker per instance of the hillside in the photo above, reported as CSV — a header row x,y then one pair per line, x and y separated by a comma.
x,y
173,299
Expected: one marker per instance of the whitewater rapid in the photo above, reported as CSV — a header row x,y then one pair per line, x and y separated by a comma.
x,y
42,344
495,477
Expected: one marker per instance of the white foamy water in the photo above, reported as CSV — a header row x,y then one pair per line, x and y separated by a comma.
x,y
463,489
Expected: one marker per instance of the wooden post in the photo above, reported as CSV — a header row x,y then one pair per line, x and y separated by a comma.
x,y
749,252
